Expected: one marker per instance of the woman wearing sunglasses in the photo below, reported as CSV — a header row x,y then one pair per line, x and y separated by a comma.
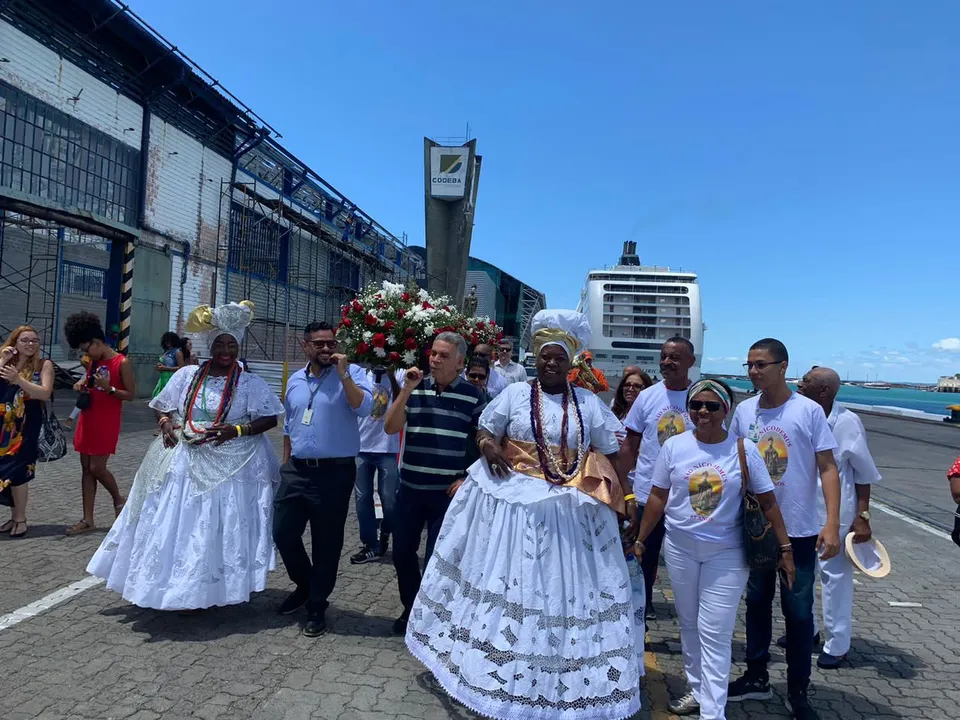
x,y
697,485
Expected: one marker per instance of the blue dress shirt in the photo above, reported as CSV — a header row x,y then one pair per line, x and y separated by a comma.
x,y
333,431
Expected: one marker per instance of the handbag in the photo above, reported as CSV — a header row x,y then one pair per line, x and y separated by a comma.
x,y
52,443
956,526
759,539
83,399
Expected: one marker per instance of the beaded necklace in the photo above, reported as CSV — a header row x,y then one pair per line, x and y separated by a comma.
x,y
555,469
198,384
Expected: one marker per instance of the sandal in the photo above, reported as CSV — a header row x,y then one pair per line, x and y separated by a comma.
x,y
6,527
19,534
119,508
79,528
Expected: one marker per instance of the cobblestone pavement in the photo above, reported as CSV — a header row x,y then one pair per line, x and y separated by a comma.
x,y
94,656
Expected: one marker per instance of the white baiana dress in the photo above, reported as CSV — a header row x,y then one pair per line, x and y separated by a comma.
x,y
197,528
526,608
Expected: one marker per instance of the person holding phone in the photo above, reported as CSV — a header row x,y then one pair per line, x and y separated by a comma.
x,y
793,437
698,487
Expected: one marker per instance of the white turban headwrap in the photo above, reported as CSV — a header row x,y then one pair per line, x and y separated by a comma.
x,y
567,328
231,319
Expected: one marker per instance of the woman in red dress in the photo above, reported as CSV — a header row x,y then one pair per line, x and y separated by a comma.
x,y
108,383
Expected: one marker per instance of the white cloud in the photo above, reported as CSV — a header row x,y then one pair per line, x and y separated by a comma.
x,y
723,359
951,344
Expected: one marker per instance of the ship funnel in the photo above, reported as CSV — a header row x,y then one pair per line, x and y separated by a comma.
x,y
630,256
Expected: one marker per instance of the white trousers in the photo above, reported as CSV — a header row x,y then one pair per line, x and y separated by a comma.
x,y
836,577
708,581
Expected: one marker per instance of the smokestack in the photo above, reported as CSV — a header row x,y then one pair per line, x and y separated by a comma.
x,y
629,256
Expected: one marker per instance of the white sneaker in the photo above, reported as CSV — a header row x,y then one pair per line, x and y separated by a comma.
x,y
687,705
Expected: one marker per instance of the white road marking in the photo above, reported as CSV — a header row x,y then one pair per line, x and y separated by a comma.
x,y
47,602
911,521
894,603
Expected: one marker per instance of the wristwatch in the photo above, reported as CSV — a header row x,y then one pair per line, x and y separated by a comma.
x,y
864,515
112,390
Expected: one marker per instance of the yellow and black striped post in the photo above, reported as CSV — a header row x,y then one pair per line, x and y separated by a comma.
x,y
126,298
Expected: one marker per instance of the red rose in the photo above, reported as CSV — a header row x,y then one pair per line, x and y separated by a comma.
x,y
446,308
394,357
410,344
400,313
389,325
493,323
409,332
405,297
362,348
427,306
370,319
347,322
474,339
357,307
499,336
379,340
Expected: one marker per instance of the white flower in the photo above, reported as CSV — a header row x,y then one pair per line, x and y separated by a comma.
x,y
380,352
429,330
409,358
391,339
392,290
423,295
367,336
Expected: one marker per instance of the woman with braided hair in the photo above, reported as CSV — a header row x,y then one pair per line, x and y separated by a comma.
x,y
526,608
196,530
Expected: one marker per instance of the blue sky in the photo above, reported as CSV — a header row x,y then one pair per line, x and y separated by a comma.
x,y
803,159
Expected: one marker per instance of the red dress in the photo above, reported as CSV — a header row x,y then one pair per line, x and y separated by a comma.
x,y
955,470
98,428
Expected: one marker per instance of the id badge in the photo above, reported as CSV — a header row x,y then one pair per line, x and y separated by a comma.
x,y
307,416
753,432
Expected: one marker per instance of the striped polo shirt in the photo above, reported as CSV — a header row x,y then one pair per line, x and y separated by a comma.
x,y
440,428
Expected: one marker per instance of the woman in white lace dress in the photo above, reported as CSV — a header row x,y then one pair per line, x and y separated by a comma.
x,y
526,609
196,529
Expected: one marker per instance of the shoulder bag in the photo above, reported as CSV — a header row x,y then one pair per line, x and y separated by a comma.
x,y
759,540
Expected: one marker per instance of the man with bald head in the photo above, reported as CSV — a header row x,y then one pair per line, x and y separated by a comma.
x,y
857,473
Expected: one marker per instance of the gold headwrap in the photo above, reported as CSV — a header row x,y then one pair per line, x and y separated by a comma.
x,y
554,336
203,319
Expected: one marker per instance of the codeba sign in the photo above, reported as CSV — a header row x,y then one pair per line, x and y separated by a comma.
x,y
448,172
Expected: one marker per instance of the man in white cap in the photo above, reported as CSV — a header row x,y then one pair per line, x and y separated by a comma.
x,y
857,473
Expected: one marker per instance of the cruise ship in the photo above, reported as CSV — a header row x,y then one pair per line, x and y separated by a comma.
x,y
634,308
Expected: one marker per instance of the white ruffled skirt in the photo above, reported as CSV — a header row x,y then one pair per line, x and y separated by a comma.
x,y
526,609
183,545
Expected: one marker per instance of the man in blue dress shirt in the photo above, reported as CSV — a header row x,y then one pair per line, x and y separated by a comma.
x,y
321,441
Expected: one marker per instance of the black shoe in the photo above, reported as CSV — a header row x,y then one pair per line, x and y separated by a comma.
x,y
650,613
817,643
799,707
295,600
400,624
315,627
749,688
384,545
826,661
366,554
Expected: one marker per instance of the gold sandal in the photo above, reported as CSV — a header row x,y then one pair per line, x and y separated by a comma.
x,y
79,528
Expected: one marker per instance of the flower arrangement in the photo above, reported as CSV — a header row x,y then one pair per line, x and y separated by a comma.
x,y
387,325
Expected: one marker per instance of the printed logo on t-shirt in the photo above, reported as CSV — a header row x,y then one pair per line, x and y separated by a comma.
x,y
774,446
705,485
670,423
380,400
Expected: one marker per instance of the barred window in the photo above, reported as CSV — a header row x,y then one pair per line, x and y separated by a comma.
x,y
84,280
257,245
46,153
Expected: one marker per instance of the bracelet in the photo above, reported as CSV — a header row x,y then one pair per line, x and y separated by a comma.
x,y
239,430
629,497
483,442
787,546
162,420
248,430
784,551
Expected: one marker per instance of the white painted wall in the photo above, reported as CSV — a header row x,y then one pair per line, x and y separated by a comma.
x,y
42,73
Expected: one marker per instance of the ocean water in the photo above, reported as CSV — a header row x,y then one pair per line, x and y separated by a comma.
x,y
928,402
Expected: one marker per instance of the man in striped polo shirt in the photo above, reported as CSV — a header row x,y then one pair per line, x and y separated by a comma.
x,y
439,415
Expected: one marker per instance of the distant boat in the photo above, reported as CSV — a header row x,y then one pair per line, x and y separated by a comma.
x,y
877,385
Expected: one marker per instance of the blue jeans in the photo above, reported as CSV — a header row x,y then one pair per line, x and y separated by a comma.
x,y
797,606
384,466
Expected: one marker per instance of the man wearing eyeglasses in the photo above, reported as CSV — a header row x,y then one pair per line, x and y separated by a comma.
x,y
321,440
795,439
496,383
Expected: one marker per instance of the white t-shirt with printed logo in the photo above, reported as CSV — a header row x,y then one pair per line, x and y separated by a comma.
x,y
789,438
372,437
657,415
706,487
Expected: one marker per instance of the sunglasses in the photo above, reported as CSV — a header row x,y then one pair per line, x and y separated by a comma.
x,y
476,376
710,405
321,344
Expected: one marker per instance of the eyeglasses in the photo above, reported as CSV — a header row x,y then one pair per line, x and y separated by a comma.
x,y
697,405
26,341
321,344
476,376
761,364
632,386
